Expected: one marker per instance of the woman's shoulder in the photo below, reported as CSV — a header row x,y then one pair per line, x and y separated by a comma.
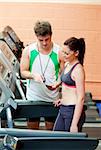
x,y
78,71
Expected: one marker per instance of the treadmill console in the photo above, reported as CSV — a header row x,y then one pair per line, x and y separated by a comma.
x,y
7,80
5,73
12,33
9,55
5,37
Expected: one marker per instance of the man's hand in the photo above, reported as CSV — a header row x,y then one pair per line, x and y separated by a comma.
x,y
54,86
37,77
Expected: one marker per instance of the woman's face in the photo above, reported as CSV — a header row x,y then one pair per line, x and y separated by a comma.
x,y
69,55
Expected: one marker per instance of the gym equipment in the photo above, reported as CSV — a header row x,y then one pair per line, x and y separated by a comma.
x,y
8,71
15,67
7,87
14,37
5,37
19,45
8,143
38,133
44,143
92,115
42,140
10,56
4,60
38,109
98,105
88,99
11,39
92,125
57,143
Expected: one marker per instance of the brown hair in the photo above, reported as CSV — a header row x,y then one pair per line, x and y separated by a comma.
x,y
42,28
77,45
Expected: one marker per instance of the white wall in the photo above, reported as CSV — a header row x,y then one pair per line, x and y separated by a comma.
x,y
58,1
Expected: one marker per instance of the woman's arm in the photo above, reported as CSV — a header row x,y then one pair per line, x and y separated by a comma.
x,y
79,77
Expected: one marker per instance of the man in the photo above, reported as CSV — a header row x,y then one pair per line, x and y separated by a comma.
x,y
41,64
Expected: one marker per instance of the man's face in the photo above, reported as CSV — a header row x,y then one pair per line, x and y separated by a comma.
x,y
44,41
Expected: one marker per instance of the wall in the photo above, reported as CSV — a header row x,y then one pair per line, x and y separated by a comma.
x,y
67,20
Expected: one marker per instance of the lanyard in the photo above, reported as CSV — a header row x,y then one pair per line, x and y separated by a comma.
x,y
43,71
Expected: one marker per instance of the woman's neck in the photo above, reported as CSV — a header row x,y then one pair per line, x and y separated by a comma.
x,y
73,62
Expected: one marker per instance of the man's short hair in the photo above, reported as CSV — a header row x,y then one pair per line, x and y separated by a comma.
x,y
42,28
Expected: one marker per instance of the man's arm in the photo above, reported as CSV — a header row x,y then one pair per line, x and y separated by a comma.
x,y
62,63
24,65
24,68
61,60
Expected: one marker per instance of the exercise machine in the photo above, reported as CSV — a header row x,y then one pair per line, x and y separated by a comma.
x,y
9,36
10,56
20,139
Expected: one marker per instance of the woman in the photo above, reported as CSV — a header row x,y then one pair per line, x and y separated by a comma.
x,y
71,117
